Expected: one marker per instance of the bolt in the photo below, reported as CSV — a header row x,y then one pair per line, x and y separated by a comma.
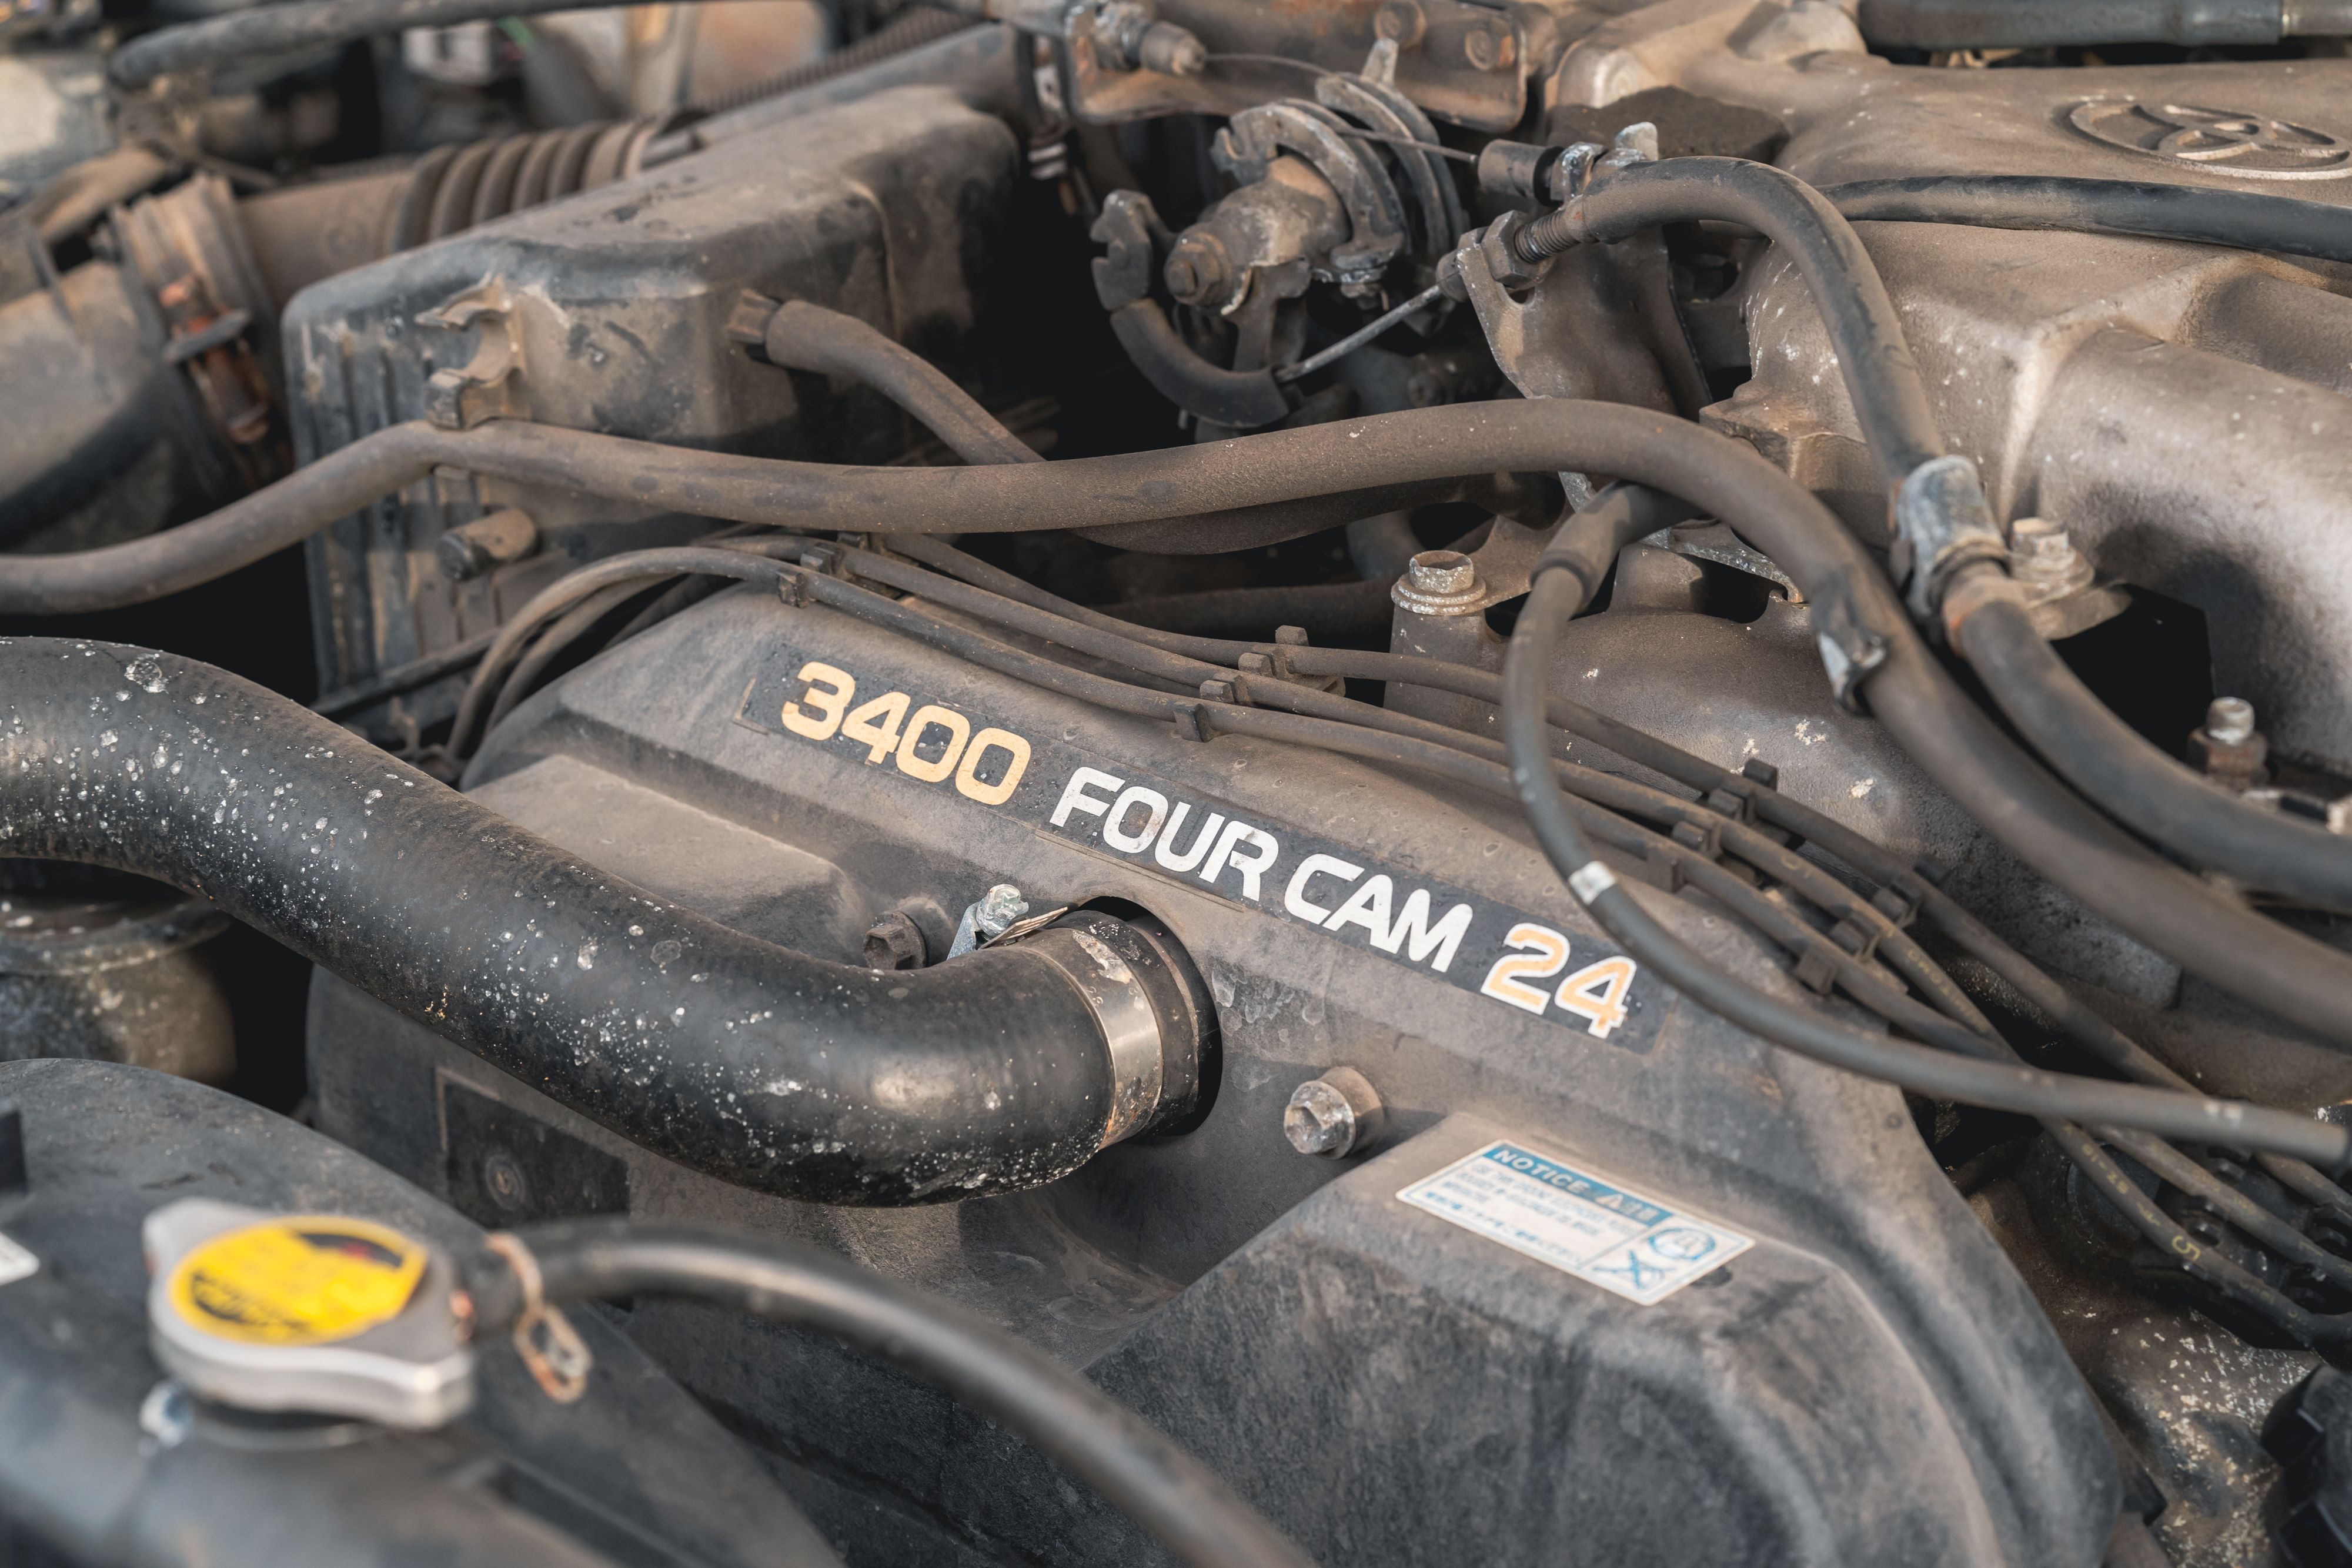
x,y
988,919
502,1178
2043,559
2228,748
1440,583
1171,50
168,1414
895,942
1196,271
2229,720
1334,1115
1490,47
1401,22
1442,571
1633,144
471,550
995,913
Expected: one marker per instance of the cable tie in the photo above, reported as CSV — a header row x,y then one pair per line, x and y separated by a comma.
x,y
1591,880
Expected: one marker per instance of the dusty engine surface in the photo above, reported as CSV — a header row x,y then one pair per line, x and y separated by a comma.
x,y
1400,783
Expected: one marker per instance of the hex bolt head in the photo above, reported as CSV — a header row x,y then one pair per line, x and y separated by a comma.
x,y
1440,583
1334,1115
2043,559
2227,748
996,910
2229,720
1171,50
1499,247
471,550
895,942
1491,46
1195,272
1442,571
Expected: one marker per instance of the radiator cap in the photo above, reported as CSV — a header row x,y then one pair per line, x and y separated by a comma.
x,y
330,1314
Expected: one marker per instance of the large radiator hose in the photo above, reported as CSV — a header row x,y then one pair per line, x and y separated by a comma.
x,y
761,1066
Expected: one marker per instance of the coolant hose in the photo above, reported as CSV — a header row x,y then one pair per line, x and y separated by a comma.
x,y
761,1066
1156,1483
2141,787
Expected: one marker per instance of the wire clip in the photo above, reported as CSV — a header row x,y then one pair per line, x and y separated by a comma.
x,y
550,1347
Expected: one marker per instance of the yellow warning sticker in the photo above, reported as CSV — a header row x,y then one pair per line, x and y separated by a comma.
x,y
304,1280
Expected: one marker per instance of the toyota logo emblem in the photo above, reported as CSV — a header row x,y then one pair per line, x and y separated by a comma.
x,y
2226,141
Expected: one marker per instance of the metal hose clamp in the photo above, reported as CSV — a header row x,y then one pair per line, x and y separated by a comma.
x,y
1123,1010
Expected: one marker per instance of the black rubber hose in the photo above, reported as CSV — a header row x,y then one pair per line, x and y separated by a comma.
x,y
2179,915
1182,1503
760,1066
1148,487
474,709
2242,220
942,556
2048,24
1996,1085
1591,538
805,336
2141,787
304,24
1321,608
1882,380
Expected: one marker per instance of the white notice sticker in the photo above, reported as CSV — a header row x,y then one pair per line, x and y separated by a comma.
x,y
15,1262
1597,1231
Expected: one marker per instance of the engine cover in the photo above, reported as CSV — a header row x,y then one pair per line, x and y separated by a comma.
x,y
1377,1371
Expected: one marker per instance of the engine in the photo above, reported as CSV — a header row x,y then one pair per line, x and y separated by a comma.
x,y
1399,783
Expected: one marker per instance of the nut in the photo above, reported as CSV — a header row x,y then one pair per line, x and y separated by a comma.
x,y
1197,271
1498,246
1491,46
1334,1115
1401,22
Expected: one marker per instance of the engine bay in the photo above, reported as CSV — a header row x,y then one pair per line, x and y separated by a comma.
x,y
1066,781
